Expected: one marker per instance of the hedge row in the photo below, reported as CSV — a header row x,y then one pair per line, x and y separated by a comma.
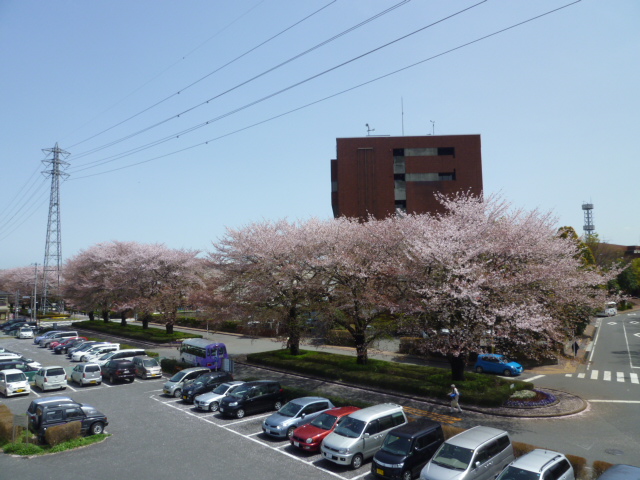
x,y
156,335
430,382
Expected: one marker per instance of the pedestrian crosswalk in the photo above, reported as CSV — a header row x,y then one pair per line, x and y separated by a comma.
x,y
607,376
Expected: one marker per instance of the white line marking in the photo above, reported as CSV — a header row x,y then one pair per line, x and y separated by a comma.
x,y
620,376
634,377
534,378
594,374
607,376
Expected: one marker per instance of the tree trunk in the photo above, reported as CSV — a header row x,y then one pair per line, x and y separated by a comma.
x,y
105,316
92,315
457,367
123,319
362,355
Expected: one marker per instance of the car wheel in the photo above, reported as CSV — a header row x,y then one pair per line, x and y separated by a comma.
x,y
507,372
214,406
97,428
479,370
290,432
240,413
277,405
177,393
356,462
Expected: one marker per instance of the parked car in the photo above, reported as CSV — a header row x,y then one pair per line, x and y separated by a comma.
x,y
475,454
176,383
621,472
86,374
19,364
204,384
14,382
147,367
294,414
51,378
493,363
407,449
126,354
539,465
64,346
119,370
25,332
309,437
360,434
48,415
251,397
211,401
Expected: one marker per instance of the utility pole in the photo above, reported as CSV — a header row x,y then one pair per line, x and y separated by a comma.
x,y
53,245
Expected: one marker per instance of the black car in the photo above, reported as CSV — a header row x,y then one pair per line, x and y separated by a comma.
x,y
251,397
406,449
54,413
204,384
119,370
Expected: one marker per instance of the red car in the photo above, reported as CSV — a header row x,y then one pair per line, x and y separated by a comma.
x,y
64,342
309,437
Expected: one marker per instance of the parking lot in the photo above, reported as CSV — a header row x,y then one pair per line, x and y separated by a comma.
x,y
158,436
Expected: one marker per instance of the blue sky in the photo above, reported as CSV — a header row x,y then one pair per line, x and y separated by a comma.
x,y
555,100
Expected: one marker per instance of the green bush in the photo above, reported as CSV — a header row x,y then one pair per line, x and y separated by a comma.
x,y
62,433
430,382
156,335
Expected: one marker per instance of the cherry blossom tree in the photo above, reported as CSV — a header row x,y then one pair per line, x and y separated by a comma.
x,y
483,270
263,273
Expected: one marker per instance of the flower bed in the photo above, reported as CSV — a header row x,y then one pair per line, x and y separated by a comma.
x,y
531,399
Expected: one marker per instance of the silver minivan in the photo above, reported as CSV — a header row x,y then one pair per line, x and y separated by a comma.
x,y
479,453
361,434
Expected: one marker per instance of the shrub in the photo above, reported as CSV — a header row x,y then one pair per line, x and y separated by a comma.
x,y
520,448
579,465
599,467
62,433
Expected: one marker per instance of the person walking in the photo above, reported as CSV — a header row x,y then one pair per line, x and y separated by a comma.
x,y
455,399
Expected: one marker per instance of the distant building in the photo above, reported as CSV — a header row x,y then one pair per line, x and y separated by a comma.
x,y
381,175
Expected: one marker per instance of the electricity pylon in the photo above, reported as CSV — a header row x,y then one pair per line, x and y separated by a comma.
x,y
53,245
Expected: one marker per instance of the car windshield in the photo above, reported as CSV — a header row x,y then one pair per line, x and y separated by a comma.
x,y
397,445
452,456
16,377
291,409
221,389
350,427
178,376
515,473
324,421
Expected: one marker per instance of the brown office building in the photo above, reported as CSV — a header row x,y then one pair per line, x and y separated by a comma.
x,y
380,175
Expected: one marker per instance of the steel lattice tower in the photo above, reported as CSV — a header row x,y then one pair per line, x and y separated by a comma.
x,y
53,245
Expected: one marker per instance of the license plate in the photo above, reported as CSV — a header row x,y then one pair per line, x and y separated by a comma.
x,y
379,471
297,444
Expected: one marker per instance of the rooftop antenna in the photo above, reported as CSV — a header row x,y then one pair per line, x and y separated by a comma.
x,y
433,127
369,129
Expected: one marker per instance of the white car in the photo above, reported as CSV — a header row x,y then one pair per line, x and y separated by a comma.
x,y
14,382
51,378
210,401
25,332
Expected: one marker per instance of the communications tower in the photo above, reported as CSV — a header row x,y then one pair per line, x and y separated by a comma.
x,y
589,227
53,245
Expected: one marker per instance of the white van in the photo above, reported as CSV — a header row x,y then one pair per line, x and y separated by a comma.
x,y
360,434
479,453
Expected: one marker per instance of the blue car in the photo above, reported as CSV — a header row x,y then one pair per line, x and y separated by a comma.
x,y
493,363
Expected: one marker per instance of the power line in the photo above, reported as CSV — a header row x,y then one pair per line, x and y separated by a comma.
x,y
433,57
265,72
